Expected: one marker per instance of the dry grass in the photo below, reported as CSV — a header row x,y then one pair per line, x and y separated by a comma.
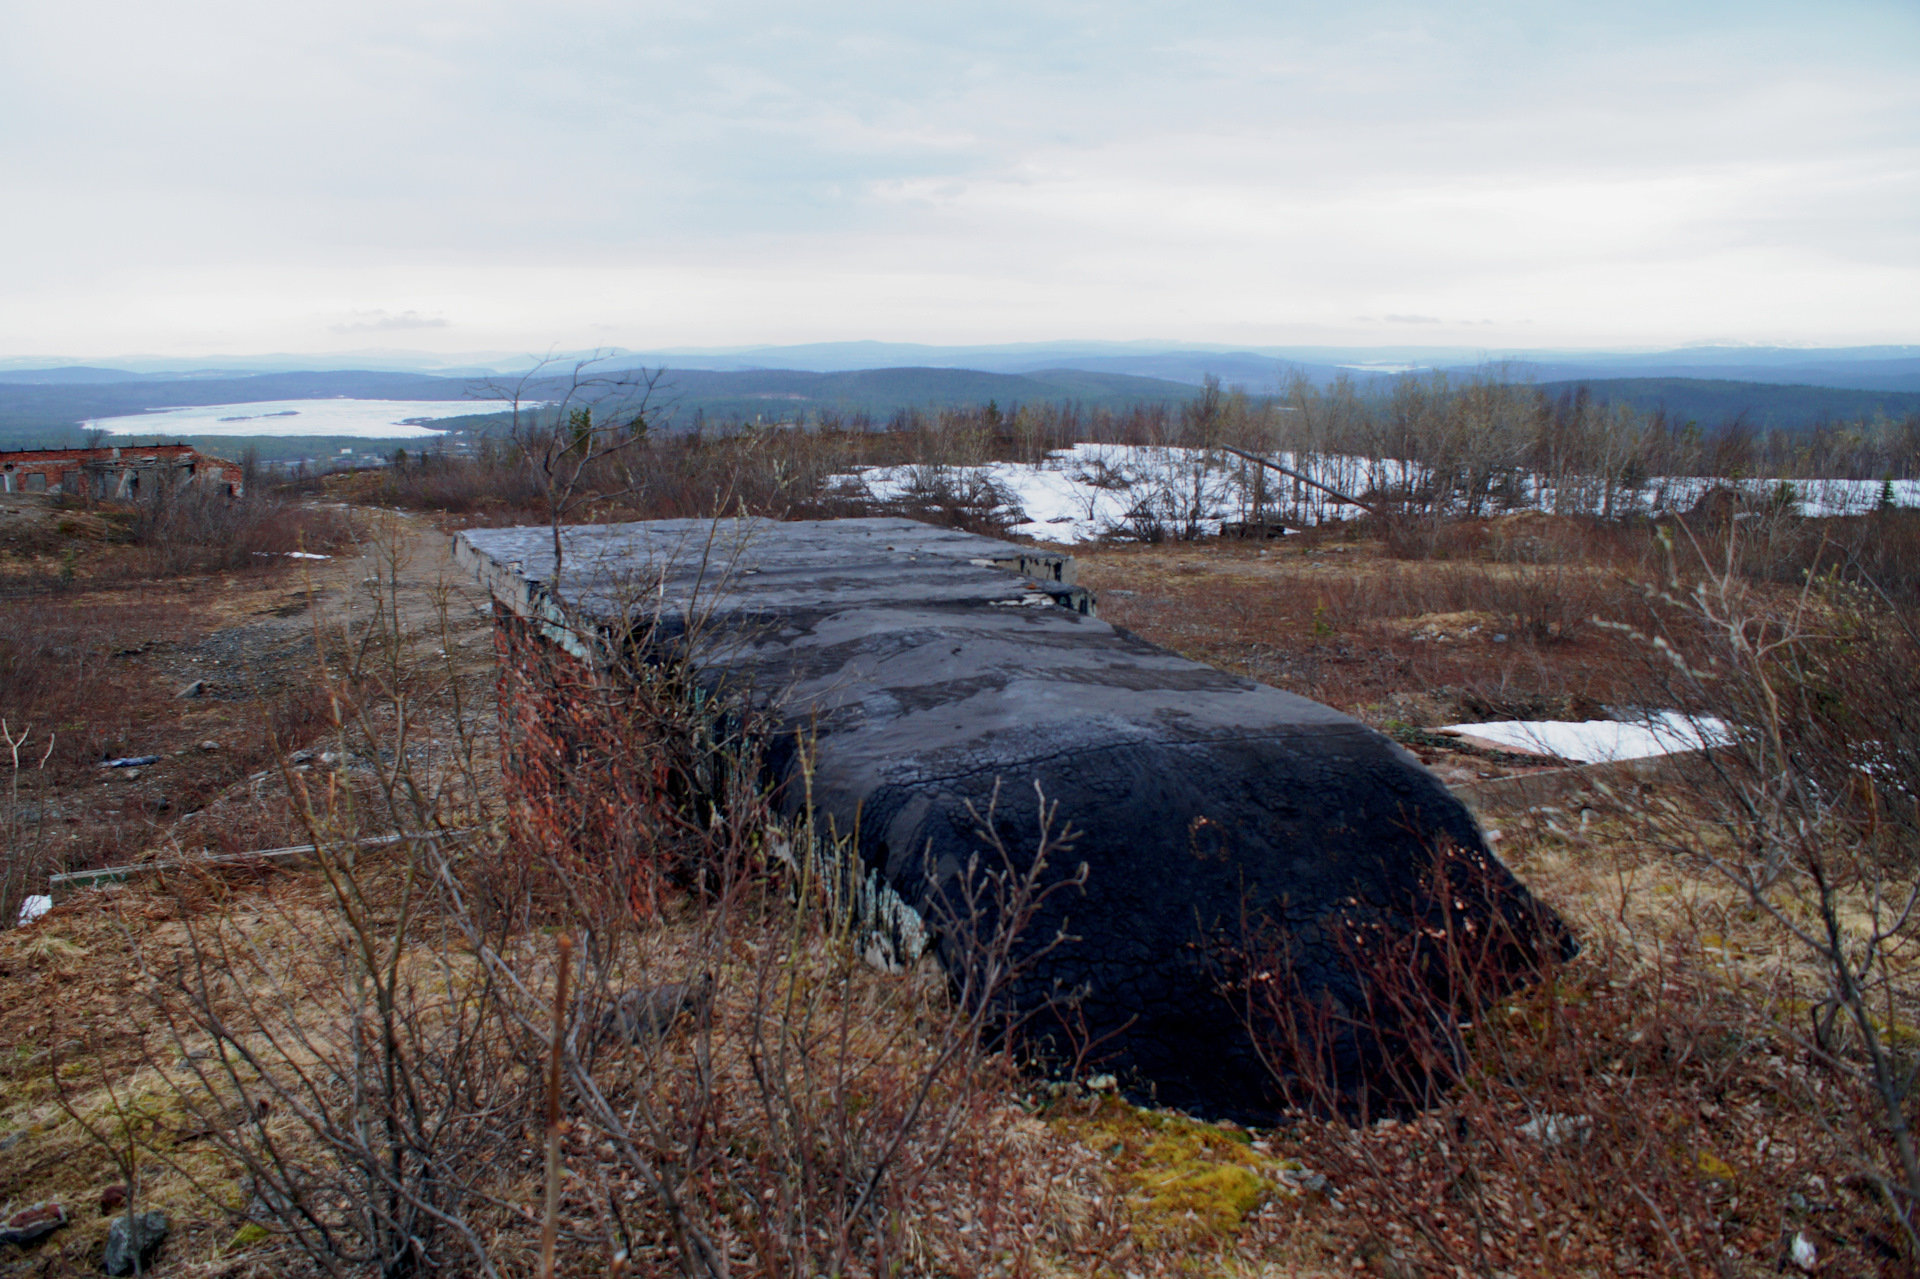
x,y
1677,1034
95,675
1671,1054
1344,623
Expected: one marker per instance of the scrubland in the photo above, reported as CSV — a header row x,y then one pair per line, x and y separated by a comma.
x,y
359,1062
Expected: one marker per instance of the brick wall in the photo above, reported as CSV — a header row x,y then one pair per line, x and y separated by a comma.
x,y
113,473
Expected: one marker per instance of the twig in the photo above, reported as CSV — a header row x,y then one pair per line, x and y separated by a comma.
x,y
552,1222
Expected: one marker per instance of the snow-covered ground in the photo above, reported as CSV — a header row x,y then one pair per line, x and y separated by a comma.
x,y
1598,741
1100,490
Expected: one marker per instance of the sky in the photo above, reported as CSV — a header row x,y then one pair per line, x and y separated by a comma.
x,y
333,175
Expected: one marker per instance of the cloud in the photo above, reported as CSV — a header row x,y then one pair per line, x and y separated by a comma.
x,y
388,322
736,171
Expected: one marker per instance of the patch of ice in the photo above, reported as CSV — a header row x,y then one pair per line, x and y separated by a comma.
x,y
1598,741
32,908
340,416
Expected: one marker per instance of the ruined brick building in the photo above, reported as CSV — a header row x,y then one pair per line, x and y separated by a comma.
x,y
114,473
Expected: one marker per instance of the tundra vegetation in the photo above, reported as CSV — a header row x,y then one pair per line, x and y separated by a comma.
x,y
599,1011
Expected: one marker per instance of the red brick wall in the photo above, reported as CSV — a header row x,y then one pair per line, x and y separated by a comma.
x,y
55,465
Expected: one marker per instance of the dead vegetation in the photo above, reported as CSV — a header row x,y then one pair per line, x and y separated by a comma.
x,y
344,1069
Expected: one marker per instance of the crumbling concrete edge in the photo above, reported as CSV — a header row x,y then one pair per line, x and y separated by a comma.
x,y
508,586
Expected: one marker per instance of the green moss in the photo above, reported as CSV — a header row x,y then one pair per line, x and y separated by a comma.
x,y
1215,1197
248,1235
1180,1177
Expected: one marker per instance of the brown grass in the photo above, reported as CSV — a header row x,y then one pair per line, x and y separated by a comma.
x,y
1342,623
1670,1047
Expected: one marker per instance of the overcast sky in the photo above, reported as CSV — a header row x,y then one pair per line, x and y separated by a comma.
x,y
311,175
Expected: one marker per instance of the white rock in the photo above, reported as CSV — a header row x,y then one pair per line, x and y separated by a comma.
x,y
1805,1255
32,908
1556,1130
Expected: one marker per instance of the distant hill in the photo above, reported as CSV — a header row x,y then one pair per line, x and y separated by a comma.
x,y
34,411
1711,401
1902,374
71,375
779,394
33,414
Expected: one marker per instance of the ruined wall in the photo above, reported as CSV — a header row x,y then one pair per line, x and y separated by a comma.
x,y
114,474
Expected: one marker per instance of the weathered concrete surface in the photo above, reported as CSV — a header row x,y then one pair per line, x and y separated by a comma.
x,y
1210,809
766,568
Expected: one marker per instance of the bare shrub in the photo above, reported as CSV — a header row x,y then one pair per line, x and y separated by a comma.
x,y
1176,493
1629,1113
341,1051
1813,816
807,1105
955,497
23,827
367,1055
191,527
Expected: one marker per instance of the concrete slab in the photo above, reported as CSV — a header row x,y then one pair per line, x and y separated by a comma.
x,y
1214,814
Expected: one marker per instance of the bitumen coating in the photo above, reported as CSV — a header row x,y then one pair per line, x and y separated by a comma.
x,y
935,676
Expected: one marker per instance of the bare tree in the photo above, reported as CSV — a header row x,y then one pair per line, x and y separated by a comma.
x,y
580,430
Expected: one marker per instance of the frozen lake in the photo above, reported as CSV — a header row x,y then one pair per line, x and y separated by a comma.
x,y
367,419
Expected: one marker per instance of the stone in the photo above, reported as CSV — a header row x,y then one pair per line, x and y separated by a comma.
x,y
209,746
649,1012
30,1225
194,689
1300,1179
134,1238
1557,1130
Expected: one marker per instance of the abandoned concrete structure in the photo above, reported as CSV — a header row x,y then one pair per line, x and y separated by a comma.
x,y
936,673
116,474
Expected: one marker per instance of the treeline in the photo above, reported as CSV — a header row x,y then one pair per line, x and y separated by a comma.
x,y
1434,444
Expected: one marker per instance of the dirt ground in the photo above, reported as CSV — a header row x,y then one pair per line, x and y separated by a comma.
x,y
212,675
253,653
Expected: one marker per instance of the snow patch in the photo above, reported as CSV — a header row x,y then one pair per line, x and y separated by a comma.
x,y
1599,741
